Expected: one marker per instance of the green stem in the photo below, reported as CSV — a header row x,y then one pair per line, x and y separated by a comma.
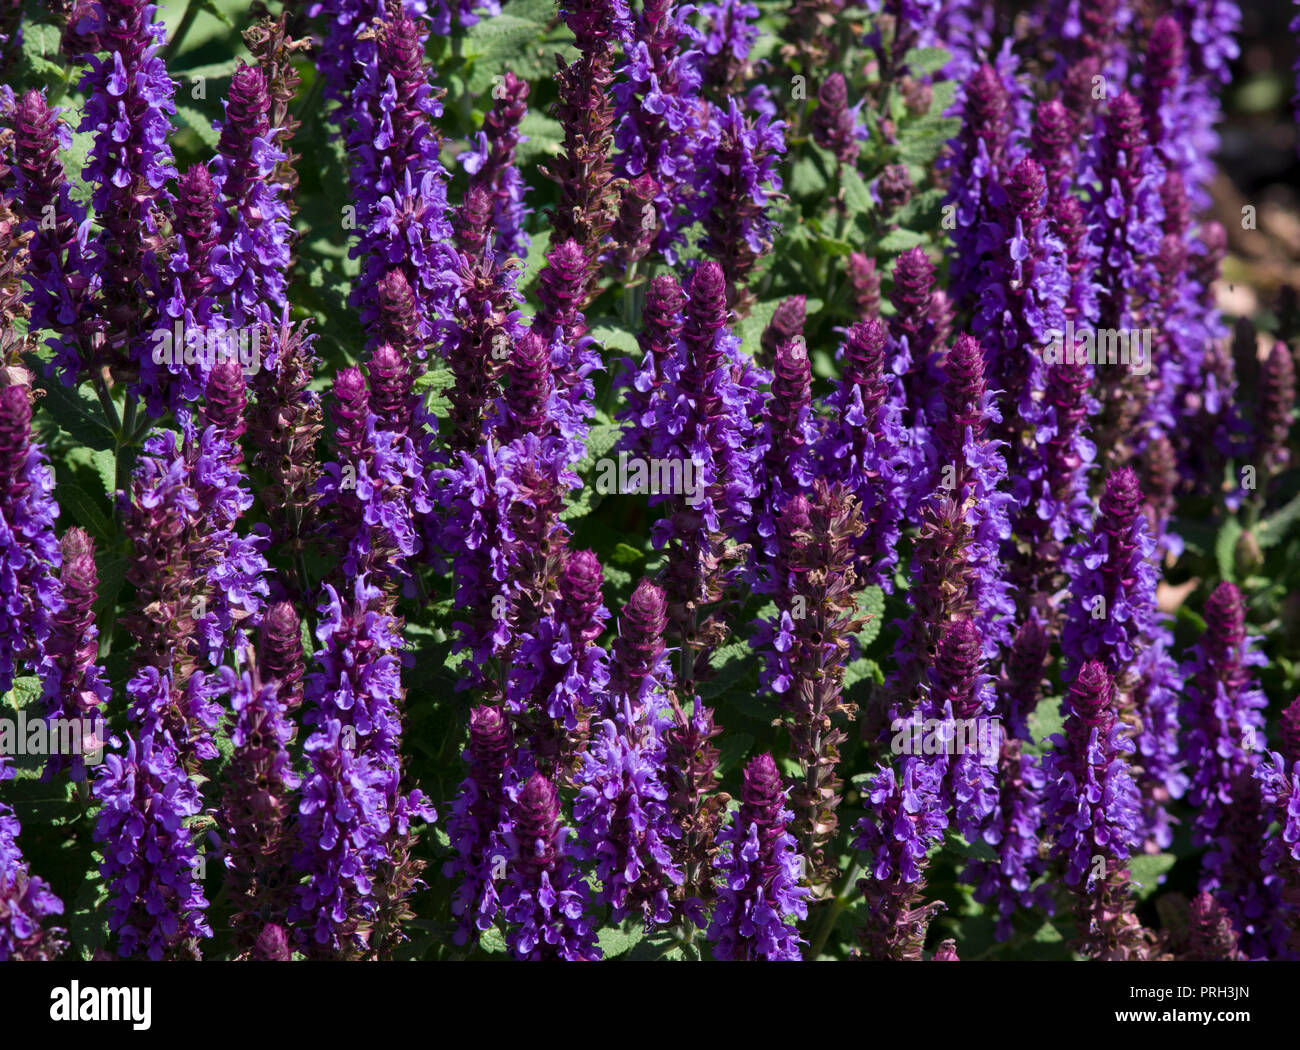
x,y
187,20
833,908
106,403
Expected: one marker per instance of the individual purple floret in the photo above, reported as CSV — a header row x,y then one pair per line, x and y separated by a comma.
x,y
760,871
546,902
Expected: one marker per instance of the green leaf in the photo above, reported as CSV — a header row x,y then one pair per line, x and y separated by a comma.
x,y
612,335
807,179
863,668
536,257
897,241
545,138
626,554
871,602
856,194
216,12
1145,871
1045,720
615,941
433,385
200,124
25,689
85,509
41,51
1225,546
926,59
79,414
1273,529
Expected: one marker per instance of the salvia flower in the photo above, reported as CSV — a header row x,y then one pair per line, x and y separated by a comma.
x,y
76,687
29,548
491,167
1093,807
256,806
156,903
622,806
26,901
1223,725
832,120
129,103
759,894
479,821
546,902
736,180
61,274
808,644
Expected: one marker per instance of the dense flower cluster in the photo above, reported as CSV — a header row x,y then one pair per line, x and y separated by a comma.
x,y
866,361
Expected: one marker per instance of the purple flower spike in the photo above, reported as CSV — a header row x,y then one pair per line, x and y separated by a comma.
x,y
863,446
130,165
29,549
736,180
661,327
492,167
479,822
759,863
546,902
61,274
832,123
1223,725
808,644
1093,806
622,808
76,687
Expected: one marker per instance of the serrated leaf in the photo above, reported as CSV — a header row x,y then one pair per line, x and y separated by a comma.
x,y
493,942
857,196
41,51
1145,870
545,136
863,668
78,414
84,509
200,124
26,688
871,602
926,59
615,941
1273,529
1044,721
898,241
626,554
616,337
807,179
1225,546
